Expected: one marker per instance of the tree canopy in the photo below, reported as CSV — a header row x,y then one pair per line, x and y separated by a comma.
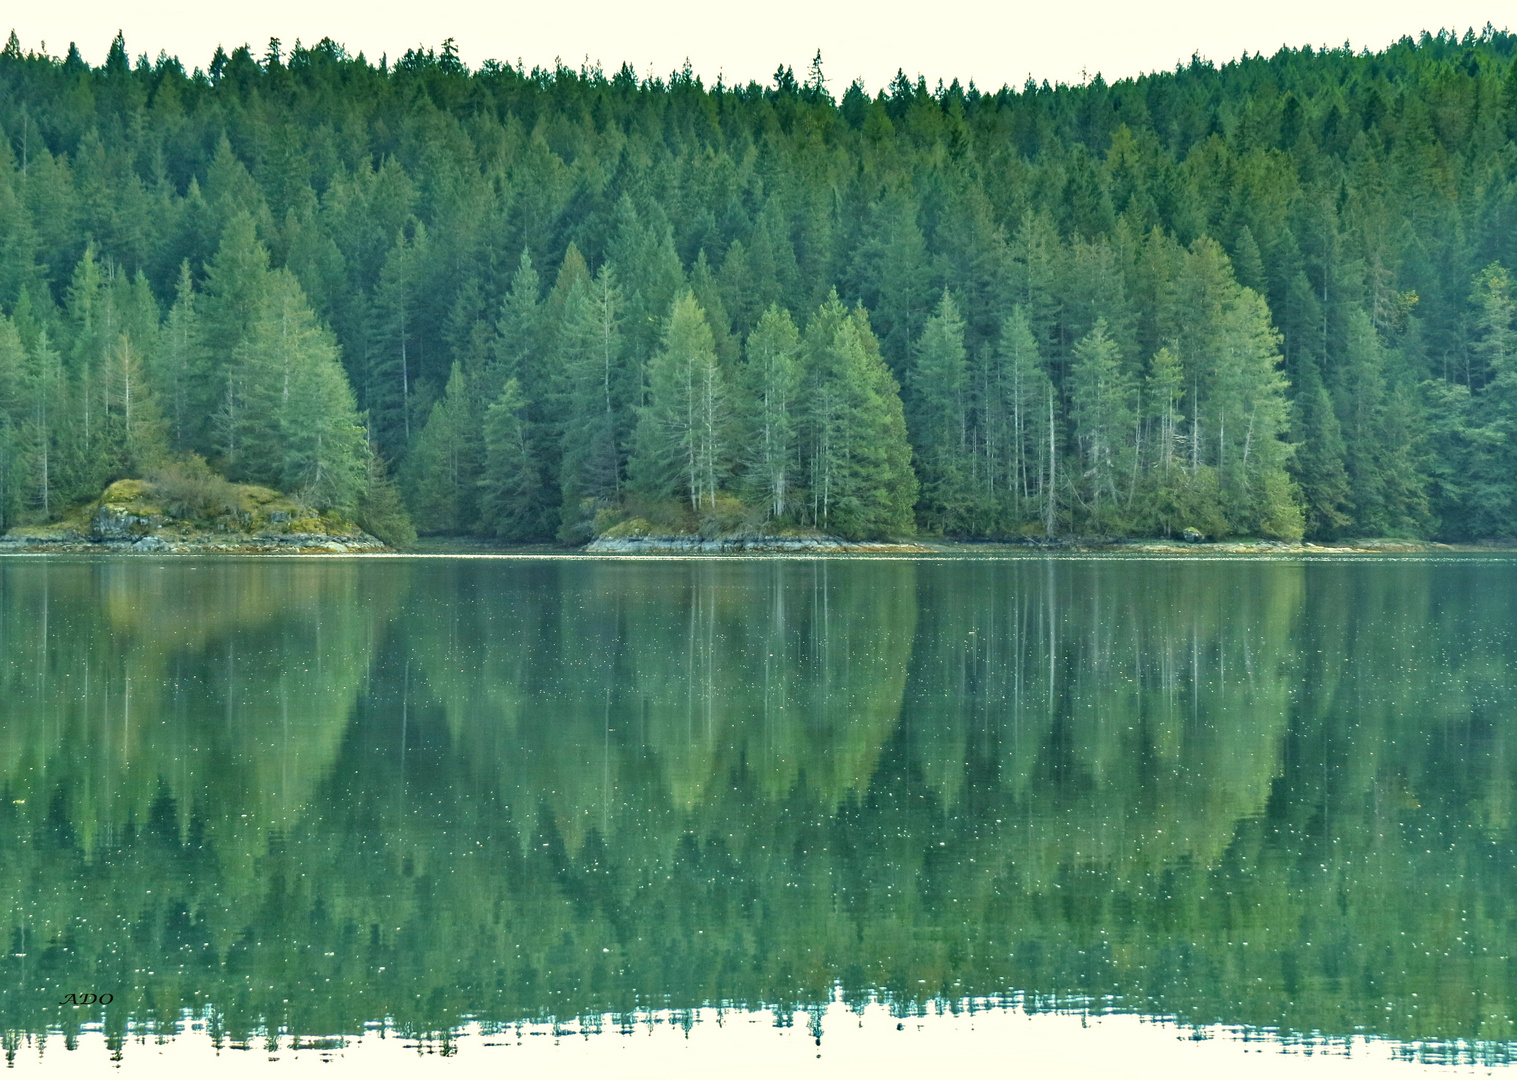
x,y
1271,297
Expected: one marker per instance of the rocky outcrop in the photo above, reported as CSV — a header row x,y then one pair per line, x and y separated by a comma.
x,y
71,541
133,518
111,522
754,545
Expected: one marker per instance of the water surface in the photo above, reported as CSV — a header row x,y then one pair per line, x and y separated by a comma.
x,y
273,800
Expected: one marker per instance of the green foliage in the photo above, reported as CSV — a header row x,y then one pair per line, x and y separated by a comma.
x,y
1102,415
1298,232
512,490
442,472
771,380
853,429
682,434
938,384
192,489
381,511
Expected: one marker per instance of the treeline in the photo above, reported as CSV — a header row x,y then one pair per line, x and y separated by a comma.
x,y
1268,298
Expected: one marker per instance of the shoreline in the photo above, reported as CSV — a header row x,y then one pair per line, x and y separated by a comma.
x,y
362,544
234,544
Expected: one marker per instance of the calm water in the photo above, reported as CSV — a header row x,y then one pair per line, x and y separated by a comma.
x,y
308,797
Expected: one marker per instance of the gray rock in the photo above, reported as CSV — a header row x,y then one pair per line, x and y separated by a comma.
x,y
1193,536
119,523
695,545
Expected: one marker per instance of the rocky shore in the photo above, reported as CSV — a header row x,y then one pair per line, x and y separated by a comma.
x,y
745,545
73,542
132,519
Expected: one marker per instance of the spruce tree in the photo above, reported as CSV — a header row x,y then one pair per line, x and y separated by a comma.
x,y
513,497
681,441
600,391
771,385
1101,410
442,472
1015,395
14,461
938,420
853,430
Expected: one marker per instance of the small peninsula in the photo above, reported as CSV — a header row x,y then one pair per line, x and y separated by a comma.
x,y
185,514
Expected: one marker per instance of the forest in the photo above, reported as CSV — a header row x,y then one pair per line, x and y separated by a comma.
x,y
1267,298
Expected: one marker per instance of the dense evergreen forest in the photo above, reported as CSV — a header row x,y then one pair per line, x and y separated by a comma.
x,y
1269,298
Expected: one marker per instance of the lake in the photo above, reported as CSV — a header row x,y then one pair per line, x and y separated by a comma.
x,y
546,804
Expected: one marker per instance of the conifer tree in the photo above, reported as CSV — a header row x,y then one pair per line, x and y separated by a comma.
x,y
178,366
291,421
853,429
938,420
14,463
513,497
1015,399
1490,483
681,440
443,468
46,399
407,226
133,438
771,384
600,393
1101,410
381,510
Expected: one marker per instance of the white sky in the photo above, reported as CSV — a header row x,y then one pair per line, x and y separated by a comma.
x,y
992,43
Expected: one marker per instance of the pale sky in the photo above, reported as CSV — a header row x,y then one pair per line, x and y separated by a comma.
x,y
991,43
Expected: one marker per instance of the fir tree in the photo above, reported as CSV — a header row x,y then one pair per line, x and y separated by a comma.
x,y
681,443
771,384
938,420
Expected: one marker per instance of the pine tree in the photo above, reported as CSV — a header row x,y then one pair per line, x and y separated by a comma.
x,y
853,430
46,399
291,420
1494,341
1015,396
892,273
1102,413
771,384
681,441
600,393
398,348
1490,483
1319,458
381,510
938,420
513,498
14,460
442,472
178,366
134,439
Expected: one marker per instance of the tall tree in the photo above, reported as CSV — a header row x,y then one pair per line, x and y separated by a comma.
x,y
681,442
938,419
772,378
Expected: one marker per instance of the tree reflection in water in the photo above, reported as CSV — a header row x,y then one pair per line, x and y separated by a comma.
x,y
304,796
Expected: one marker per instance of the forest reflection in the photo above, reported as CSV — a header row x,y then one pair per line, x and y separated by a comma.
x,y
305,796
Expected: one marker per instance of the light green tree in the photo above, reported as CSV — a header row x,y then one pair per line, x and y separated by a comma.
x,y
853,429
771,383
681,443
1102,411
